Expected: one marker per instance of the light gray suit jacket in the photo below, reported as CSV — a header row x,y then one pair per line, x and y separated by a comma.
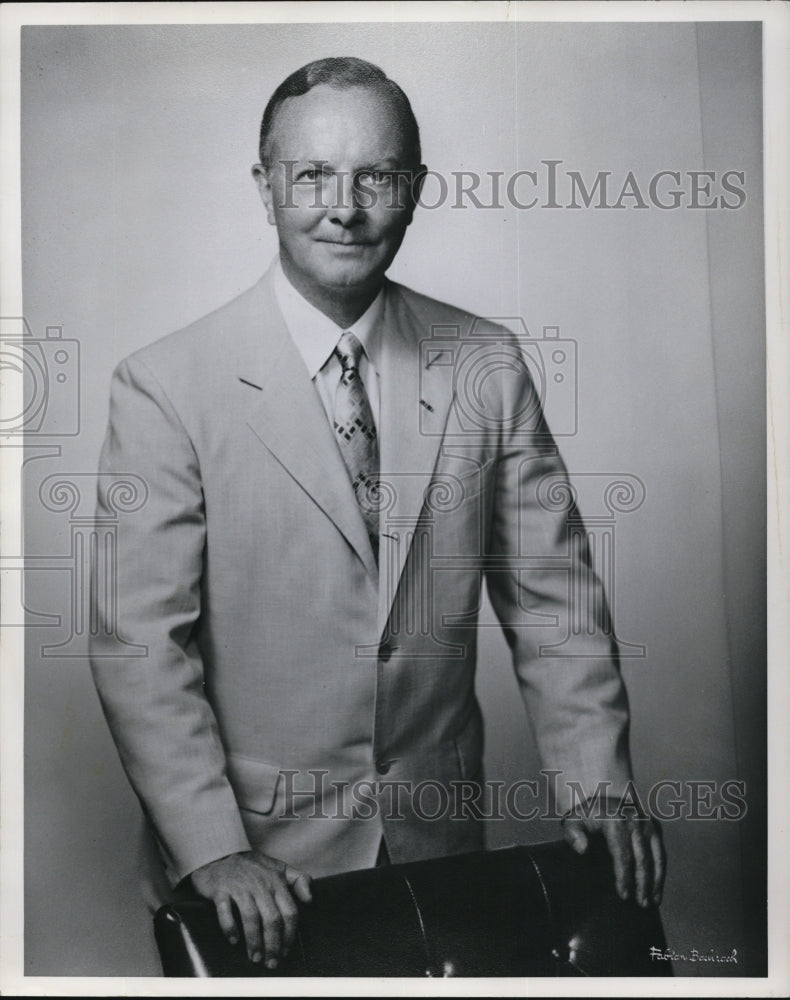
x,y
281,658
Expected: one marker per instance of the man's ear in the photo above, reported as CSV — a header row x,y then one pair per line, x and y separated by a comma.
x,y
417,181
261,177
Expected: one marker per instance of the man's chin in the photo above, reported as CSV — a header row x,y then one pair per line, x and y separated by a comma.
x,y
351,279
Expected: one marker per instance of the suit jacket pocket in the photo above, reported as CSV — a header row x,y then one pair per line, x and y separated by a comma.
x,y
468,482
254,782
469,747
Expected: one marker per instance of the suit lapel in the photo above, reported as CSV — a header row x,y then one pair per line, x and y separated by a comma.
x,y
288,417
415,401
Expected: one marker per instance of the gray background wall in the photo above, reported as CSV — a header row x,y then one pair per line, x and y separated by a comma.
x,y
139,215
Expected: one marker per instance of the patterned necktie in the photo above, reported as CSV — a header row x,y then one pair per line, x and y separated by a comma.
x,y
356,434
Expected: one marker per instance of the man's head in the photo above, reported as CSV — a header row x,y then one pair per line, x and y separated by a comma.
x,y
340,162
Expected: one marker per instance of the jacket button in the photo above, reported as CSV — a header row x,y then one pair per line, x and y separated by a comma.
x,y
385,652
383,766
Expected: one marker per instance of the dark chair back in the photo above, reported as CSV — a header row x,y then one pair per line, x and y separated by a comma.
x,y
522,911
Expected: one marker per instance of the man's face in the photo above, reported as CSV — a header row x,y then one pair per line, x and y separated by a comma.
x,y
333,191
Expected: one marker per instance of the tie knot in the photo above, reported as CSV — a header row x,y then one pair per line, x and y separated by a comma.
x,y
349,351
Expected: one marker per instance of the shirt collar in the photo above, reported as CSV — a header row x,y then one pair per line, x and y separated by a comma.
x,y
315,334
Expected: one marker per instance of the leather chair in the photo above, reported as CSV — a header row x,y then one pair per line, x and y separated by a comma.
x,y
522,911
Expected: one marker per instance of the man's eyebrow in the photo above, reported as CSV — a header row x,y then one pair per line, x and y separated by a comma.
x,y
387,163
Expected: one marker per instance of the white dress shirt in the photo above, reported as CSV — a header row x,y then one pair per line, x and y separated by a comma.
x,y
316,337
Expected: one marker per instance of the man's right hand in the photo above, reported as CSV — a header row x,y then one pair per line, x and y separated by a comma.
x,y
263,891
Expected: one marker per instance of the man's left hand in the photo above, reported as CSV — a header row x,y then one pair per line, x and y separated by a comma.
x,y
635,844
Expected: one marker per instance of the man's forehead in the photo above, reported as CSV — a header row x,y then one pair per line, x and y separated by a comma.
x,y
328,122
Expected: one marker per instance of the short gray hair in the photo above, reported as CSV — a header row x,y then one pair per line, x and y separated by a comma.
x,y
342,72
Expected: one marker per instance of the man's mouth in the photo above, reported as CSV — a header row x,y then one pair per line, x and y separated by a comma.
x,y
341,245
345,243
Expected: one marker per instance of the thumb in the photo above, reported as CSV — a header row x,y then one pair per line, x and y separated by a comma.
x,y
576,836
299,883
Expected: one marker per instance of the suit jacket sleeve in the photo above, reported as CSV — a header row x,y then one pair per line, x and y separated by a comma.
x,y
156,706
577,704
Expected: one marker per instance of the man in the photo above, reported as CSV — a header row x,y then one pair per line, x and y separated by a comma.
x,y
306,571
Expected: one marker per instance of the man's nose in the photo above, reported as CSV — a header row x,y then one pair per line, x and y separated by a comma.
x,y
344,208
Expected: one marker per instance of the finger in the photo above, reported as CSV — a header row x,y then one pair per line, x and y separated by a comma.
x,y
643,869
659,865
272,928
226,919
290,917
299,883
617,840
251,923
576,836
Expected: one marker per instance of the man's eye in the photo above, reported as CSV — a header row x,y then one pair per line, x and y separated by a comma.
x,y
310,175
378,177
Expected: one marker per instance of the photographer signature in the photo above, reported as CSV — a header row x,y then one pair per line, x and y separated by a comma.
x,y
694,955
